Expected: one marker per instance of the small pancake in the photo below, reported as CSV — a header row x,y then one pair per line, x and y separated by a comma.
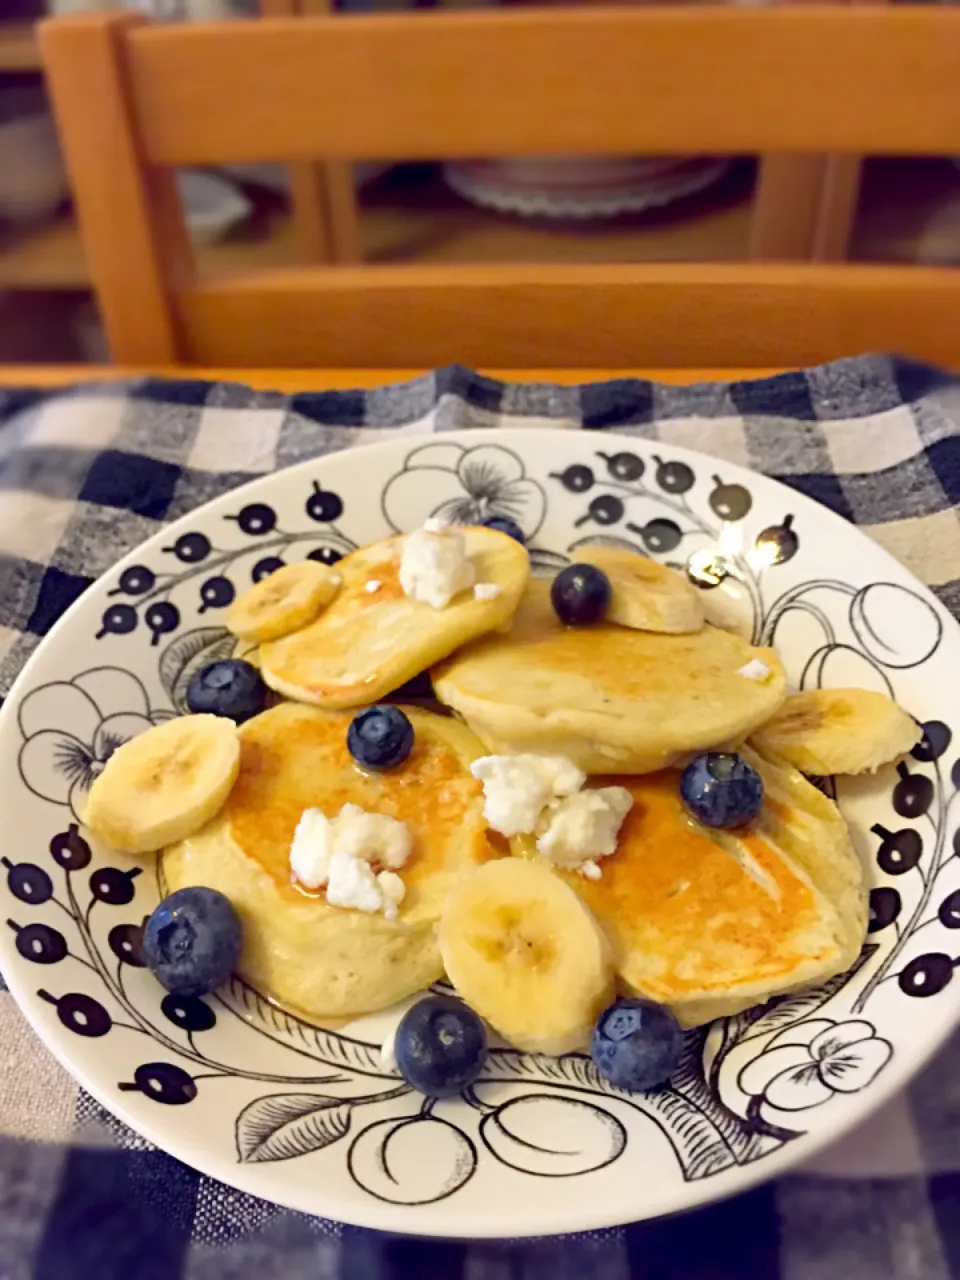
x,y
368,643
328,961
609,698
711,923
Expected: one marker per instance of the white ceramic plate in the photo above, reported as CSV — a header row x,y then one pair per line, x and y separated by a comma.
x,y
307,1117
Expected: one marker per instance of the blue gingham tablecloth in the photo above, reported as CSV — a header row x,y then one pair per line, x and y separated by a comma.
x,y
87,474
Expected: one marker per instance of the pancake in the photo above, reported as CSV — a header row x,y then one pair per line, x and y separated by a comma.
x,y
331,962
368,643
609,698
711,923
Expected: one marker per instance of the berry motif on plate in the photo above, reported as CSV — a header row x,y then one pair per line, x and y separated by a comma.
x,y
778,544
134,581
28,882
263,568
605,509
729,501
620,466
216,593
323,505
126,943
256,519
194,575
325,555
917,859
162,1082
40,943
674,477
80,1013
191,548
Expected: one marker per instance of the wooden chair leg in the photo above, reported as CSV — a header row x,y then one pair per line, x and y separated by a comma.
x,y
322,194
839,195
786,206
325,216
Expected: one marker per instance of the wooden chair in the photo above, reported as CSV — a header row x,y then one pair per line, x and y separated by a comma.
x,y
134,100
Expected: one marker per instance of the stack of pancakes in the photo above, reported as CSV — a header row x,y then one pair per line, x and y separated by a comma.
x,y
706,922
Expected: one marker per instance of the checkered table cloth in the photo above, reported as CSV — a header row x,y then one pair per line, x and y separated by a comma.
x,y
86,475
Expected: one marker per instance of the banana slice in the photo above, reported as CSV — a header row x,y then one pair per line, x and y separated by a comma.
x,y
527,955
165,784
374,637
838,731
284,601
645,595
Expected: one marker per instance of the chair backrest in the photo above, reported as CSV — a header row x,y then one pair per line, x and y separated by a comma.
x,y
134,100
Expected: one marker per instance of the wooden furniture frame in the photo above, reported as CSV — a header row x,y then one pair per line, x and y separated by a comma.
x,y
133,101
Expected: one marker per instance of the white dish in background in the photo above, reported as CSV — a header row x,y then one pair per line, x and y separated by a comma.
x,y
581,187
33,179
212,206
308,1117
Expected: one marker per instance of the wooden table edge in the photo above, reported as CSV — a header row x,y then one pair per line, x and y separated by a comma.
x,y
290,380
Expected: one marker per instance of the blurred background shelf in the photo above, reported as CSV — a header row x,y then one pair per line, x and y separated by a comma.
x,y
410,213
19,50
909,212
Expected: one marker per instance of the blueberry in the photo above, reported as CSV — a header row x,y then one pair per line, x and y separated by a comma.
x,y
580,594
441,1046
636,1044
721,790
503,524
230,687
192,941
380,737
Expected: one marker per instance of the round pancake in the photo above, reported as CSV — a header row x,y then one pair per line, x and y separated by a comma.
x,y
326,961
713,922
609,698
368,643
